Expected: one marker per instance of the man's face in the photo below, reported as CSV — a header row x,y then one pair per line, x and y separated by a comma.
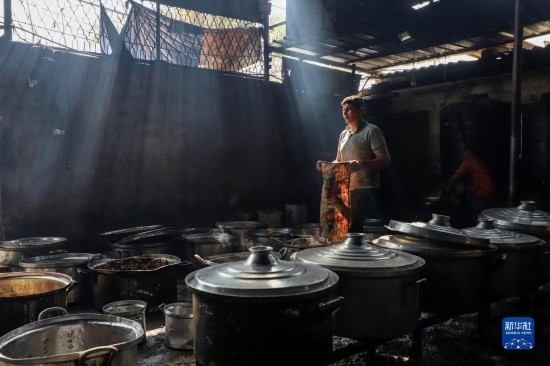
x,y
351,114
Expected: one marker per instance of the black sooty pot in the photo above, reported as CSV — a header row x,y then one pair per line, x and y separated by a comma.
x,y
263,311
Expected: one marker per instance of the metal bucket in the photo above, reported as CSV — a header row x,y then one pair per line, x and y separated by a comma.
x,y
178,325
129,309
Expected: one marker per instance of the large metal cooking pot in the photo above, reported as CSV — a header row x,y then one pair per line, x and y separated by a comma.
x,y
380,288
263,311
458,266
71,340
210,243
150,278
273,237
520,273
67,263
156,241
117,235
11,251
526,219
23,295
240,229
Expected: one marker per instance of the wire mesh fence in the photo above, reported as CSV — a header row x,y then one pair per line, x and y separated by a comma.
x,y
145,31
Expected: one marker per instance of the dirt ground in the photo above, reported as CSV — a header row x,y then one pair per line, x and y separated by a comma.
x,y
458,341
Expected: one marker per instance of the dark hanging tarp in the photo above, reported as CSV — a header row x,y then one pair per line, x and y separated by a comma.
x,y
237,9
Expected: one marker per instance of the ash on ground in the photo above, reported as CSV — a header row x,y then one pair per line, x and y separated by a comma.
x,y
459,341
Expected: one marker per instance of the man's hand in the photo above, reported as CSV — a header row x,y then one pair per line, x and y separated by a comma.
x,y
353,166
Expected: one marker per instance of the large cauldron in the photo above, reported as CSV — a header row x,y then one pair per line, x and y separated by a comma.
x,y
23,295
458,267
380,288
526,219
520,273
151,278
263,311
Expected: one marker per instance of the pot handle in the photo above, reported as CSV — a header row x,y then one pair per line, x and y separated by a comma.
x,y
122,253
409,287
284,252
331,305
95,257
98,351
92,276
499,262
203,262
71,286
45,314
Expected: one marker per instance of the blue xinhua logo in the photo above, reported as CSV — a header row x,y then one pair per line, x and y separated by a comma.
x,y
518,333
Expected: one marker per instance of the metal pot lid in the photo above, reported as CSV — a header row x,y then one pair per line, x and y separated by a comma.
x,y
525,217
437,229
420,246
500,237
262,275
57,260
117,235
354,254
210,238
239,225
33,243
152,236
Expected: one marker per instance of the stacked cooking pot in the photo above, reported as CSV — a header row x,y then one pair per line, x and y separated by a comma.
x,y
208,243
380,287
458,266
240,230
66,263
263,311
526,219
152,239
11,251
520,273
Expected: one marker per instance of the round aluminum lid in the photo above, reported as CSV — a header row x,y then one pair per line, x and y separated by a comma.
x,y
31,243
125,307
423,246
500,237
262,275
525,217
437,229
361,257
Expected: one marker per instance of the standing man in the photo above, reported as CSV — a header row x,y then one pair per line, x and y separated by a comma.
x,y
362,147
481,188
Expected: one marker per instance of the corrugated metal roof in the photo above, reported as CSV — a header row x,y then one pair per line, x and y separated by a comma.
x,y
369,35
